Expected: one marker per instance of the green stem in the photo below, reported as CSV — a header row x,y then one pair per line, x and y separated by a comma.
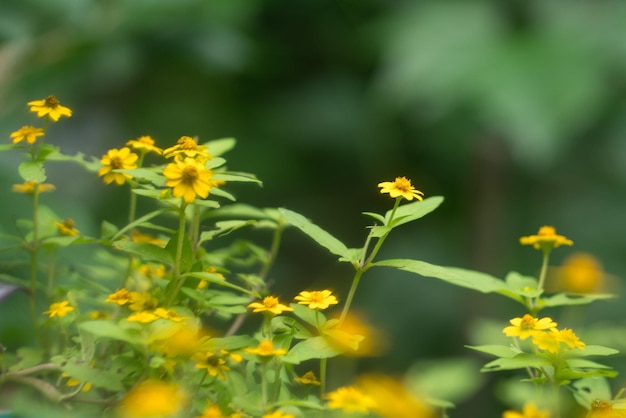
x,y
323,367
542,279
34,252
176,279
355,284
264,385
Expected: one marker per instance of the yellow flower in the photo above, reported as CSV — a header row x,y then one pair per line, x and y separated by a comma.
x,y
50,107
604,409
546,239
350,399
401,186
567,336
530,411
528,326
71,382
307,379
179,339
214,364
67,228
580,273
186,147
142,301
29,187
152,271
266,349
59,309
211,411
551,341
278,414
144,144
390,399
116,159
143,317
120,296
317,299
152,399
28,133
269,304
188,179
354,336
98,315
168,314
137,236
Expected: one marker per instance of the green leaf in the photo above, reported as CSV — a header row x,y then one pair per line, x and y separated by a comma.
x,y
82,372
92,165
587,390
380,218
563,299
320,236
109,329
32,171
460,277
144,173
582,363
524,286
413,211
311,316
313,348
224,228
592,350
505,351
520,361
186,259
219,147
236,176
28,357
214,278
147,252
234,342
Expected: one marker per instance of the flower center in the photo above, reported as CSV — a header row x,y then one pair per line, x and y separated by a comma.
x,y
51,102
546,231
270,302
317,297
528,322
190,175
187,143
117,162
403,184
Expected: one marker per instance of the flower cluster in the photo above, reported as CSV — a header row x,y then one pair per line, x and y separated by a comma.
x,y
544,334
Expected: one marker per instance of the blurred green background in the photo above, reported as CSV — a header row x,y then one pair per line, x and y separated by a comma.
x,y
515,111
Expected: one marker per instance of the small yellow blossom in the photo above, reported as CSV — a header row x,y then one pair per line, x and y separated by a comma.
x,y
71,382
237,358
186,147
188,178
266,349
151,271
98,315
278,414
567,336
214,364
530,410
605,409
168,314
28,133
117,159
269,304
152,399
401,186
211,411
144,144
317,299
179,339
350,399
67,228
59,309
144,317
354,336
548,341
391,399
308,378
29,187
120,296
546,239
580,273
50,107
142,301
137,236
528,326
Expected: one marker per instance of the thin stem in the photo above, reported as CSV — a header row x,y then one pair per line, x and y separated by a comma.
x,y
323,367
264,385
355,284
542,279
176,279
34,252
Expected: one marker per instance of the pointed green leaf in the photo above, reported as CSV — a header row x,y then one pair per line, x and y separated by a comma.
x,y
592,350
219,147
563,299
322,237
109,329
505,351
214,278
236,176
313,348
520,361
84,373
147,252
412,211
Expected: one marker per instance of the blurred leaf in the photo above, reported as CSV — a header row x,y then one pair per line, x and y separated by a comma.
x,y
520,361
312,348
147,252
32,171
109,329
587,390
563,299
81,371
505,351
219,147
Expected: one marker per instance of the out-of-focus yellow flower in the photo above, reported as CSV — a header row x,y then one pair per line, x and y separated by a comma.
x,y
142,301
316,299
143,317
546,239
59,309
308,378
29,187
266,349
355,336
580,273
211,411
392,399
67,228
530,410
350,399
170,314
187,147
137,236
215,365
528,326
278,414
71,382
152,399
605,409
144,144
152,271
401,186
120,296
98,315
50,107
269,304
117,159
28,133
180,339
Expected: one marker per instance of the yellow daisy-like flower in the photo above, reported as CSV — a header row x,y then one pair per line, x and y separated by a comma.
x,y
116,159
120,296
581,273
548,341
211,411
142,301
187,147
391,399
350,399
214,364
278,414
308,378
605,409
143,317
168,314
401,186
153,399
144,144
546,239
528,326
152,271
137,236
269,304
59,309
567,336
266,349
50,107
317,299
28,133
67,228
530,410
188,178
28,187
